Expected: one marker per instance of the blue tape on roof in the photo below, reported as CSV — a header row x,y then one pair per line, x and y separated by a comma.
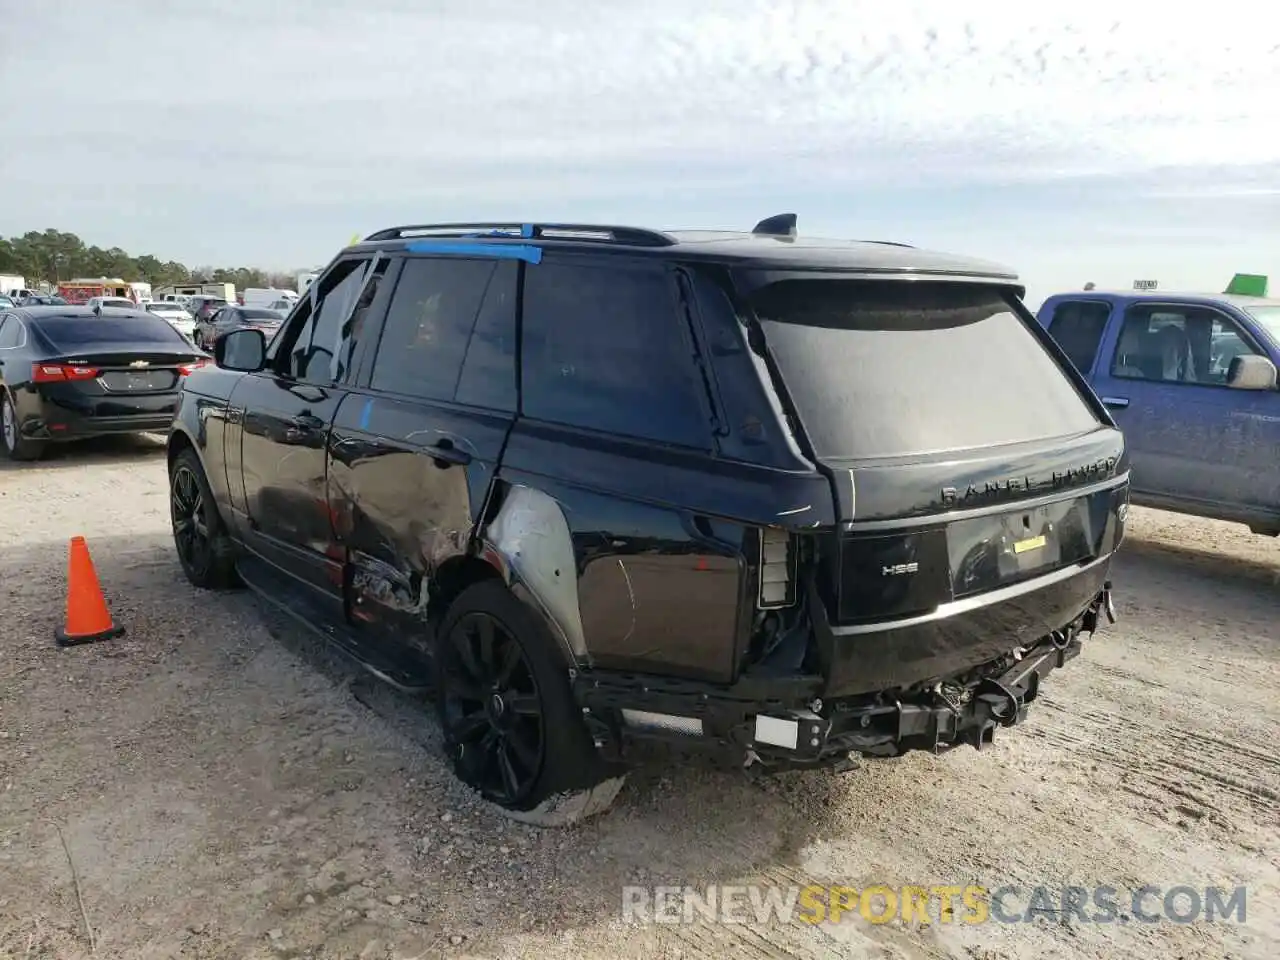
x,y
366,414
526,231
500,251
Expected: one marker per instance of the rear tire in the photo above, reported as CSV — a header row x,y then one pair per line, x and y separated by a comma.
x,y
511,728
204,549
16,446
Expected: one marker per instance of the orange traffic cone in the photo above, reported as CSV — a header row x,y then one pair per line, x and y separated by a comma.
x,y
88,619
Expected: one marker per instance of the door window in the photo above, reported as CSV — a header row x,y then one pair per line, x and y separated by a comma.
x,y
1178,344
429,322
1078,326
352,328
606,347
313,341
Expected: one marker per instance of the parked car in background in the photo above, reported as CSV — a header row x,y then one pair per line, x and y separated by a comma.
x,y
1191,380
177,316
269,298
67,372
6,302
42,300
110,303
783,499
202,307
229,318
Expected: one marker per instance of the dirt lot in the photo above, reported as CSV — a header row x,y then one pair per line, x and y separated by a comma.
x,y
228,789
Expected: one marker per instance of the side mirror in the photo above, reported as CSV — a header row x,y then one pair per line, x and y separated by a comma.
x,y
244,351
1251,372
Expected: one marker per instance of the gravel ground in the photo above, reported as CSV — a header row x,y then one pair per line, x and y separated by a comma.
x,y
227,788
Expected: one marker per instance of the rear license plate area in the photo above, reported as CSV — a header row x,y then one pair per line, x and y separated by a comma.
x,y
137,381
998,550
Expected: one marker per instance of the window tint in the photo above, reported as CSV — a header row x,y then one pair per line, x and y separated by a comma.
x,y
314,346
1078,326
605,347
884,369
429,322
488,376
1177,344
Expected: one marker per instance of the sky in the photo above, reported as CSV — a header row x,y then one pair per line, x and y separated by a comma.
x,y
1094,141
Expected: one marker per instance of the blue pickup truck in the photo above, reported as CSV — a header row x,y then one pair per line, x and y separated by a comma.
x,y
1191,380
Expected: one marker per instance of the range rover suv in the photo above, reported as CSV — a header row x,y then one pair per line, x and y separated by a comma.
x,y
790,500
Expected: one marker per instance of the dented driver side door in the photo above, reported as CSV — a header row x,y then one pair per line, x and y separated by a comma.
x,y
415,445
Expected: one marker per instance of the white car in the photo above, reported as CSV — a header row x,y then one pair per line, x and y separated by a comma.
x,y
177,315
110,303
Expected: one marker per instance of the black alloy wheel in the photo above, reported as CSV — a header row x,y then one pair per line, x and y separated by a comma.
x,y
188,510
491,709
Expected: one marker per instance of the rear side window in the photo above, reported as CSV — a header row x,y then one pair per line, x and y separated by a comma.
x,y
429,321
10,332
1078,326
606,348
73,332
885,369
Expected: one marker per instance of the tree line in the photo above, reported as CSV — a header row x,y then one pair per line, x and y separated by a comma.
x,y
52,256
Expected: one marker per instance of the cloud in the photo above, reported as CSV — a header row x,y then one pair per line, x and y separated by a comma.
x,y
244,109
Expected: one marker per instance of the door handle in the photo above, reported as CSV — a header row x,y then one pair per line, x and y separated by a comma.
x,y
306,421
446,453
1118,403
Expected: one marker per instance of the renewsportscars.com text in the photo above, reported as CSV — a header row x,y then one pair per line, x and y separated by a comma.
x,y
921,904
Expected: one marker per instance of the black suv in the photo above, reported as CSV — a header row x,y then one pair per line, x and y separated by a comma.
x,y
791,500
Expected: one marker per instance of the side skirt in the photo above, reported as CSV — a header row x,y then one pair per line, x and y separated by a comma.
x,y
298,601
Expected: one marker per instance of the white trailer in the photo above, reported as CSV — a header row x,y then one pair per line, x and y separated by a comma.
x,y
11,284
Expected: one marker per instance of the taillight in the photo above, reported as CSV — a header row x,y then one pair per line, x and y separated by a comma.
x,y
60,372
186,368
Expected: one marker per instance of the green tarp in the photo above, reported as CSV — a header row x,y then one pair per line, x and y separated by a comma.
x,y
1247,285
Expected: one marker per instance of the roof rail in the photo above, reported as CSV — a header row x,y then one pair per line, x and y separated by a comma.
x,y
632,236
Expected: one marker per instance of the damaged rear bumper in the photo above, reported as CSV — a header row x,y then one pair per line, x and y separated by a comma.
x,y
783,722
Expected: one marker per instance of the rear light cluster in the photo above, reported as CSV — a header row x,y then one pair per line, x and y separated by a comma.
x,y
61,372
777,569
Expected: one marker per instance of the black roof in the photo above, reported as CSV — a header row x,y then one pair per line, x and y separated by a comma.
x,y
763,250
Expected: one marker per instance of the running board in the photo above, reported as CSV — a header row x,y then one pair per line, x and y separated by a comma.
x,y
305,606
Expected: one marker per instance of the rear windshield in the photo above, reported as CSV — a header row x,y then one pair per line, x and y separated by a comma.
x,y
75,332
885,369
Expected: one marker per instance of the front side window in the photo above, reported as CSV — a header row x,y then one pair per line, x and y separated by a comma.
x,y
429,322
606,347
312,349
1184,344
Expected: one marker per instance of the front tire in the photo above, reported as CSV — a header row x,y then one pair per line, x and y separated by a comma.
x,y
511,728
204,548
16,446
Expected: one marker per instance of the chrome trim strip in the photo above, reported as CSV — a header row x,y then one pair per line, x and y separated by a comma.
x,y
1011,506
976,602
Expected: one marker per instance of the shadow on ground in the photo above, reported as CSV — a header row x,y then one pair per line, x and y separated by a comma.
x,y
219,769
1204,562
94,450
